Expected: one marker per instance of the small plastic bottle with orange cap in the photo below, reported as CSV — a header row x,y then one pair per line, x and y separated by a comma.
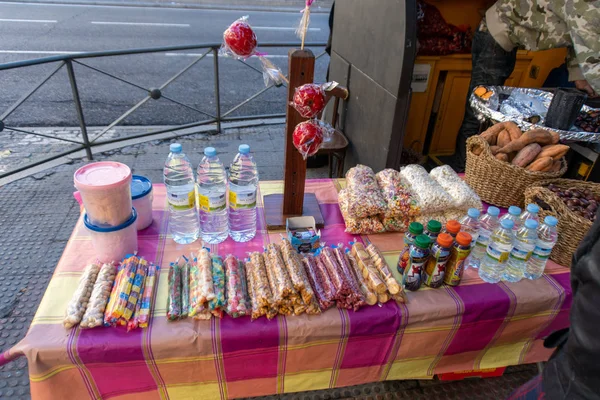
x,y
452,228
456,264
434,271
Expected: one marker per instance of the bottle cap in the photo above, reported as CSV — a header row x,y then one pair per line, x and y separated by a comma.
x,y
434,226
507,224
175,148
453,226
494,211
422,241
473,213
550,220
514,210
210,152
533,208
416,228
244,149
464,238
444,240
531,224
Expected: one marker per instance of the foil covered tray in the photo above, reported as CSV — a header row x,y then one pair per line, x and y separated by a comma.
x,y
523,104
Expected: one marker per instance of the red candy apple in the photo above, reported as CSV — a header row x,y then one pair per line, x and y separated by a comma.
x,y
309,100
240,38
307,138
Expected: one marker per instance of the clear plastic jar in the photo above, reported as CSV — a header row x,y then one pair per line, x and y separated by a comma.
x,y
114,242
141,197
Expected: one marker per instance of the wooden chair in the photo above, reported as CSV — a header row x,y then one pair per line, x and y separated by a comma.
x,y
336,147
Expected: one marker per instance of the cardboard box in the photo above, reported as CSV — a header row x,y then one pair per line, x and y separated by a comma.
x,y
299,235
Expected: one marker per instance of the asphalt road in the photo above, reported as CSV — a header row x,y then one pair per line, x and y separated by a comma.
x,y
37,30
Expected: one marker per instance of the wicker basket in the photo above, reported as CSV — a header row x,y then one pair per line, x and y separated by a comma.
x,y
498,182
571,227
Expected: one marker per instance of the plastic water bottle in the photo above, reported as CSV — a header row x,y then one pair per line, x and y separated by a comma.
x,y
531,212
470,224
243,181
513,214
524,243
178,177
487,225
498,250
211,189
547,236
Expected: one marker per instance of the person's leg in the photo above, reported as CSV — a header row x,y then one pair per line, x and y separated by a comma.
x,y
491,66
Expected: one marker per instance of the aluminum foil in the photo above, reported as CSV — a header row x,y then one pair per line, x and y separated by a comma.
x,y
491,109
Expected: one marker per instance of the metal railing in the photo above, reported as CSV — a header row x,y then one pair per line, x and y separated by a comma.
x,y
87,143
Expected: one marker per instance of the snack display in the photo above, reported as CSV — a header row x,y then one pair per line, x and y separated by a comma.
x,y
369,295
364,196
297,274
174,296
344,295
464,197
217,305
367,268
236,297
79,300
430,196
400,202
284,295
135,292
185,288
308,137
120,290
364,225
148,293
261,287
319,279
357,298
94,314
395,224
309,100
382,266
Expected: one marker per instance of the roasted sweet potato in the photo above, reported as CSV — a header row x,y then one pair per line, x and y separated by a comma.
x,y
494,149
556,151
513,130
539,136
503,138
526,155
502,157
491,134
541,164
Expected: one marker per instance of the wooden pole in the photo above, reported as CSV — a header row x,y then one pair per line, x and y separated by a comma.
x,y
301,67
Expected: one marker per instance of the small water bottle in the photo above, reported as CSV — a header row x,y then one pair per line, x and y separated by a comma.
x,y
487,224
470,224
531,212
524,243
243,181
178,177
513,215
498,250
547,236
211,188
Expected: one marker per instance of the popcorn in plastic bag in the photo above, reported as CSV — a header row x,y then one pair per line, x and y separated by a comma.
x,y
218,304
400,202
366,225
236,297
464,197
363,194
430,196
94,314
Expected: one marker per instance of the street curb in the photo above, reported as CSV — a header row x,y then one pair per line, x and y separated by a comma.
x,y
172,5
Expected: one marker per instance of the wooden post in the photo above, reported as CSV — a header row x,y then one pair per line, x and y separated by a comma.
x,y
294,202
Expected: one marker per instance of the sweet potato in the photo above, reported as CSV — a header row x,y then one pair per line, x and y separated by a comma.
x,y
556,166
513,130
555,137
541,164
491,134
556,151
494,149
502,157
480,91
526,155
477,150
539,136
503,138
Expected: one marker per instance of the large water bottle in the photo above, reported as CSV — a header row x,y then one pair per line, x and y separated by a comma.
x,y
487,224
531,212
243,181
178,177
547,236
470,224
211,189
513,214
498,250
524,243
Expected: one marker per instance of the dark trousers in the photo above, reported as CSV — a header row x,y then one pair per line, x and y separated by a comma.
x,y
492,65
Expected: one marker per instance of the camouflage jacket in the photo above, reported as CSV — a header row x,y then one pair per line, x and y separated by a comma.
x,y
548,24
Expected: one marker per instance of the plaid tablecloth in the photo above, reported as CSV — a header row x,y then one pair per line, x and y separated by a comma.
x,y
473,326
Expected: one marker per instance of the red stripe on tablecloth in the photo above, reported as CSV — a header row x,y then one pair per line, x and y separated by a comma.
x,y
456,323
218,356
393,353
85,374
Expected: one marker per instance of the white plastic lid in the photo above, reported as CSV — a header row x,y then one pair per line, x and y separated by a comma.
x,y
102,175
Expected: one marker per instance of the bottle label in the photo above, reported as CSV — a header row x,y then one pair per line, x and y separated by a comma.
x,y
497,254
412,273
542,252
212,203
433,274
456,265
482,241
520,253
181,201
242,200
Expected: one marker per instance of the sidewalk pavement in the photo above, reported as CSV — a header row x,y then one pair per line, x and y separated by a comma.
x,y
39,212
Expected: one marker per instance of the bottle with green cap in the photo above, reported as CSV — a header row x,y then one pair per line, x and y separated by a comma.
x,y
433,230
414,229
418,256
433,274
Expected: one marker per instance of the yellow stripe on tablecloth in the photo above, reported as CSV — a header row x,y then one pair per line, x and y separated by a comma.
x,y
307,380
51,373
162,293
415,368
270,187
184,359
501,356
56,299
209,390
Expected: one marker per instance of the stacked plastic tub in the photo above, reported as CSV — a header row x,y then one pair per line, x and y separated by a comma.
x,y
106,192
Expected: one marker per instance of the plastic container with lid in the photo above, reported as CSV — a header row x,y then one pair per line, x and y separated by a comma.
x,y
452,227
141,197
456,263
435,269
114,242
105,191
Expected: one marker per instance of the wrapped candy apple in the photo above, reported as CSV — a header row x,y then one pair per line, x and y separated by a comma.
x,y
309,100
308,137
239,39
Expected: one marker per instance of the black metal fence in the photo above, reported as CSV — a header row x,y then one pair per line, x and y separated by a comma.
x,y
68,60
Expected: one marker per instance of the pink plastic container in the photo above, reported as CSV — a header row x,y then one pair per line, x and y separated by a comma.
x,y
106,193
115,242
